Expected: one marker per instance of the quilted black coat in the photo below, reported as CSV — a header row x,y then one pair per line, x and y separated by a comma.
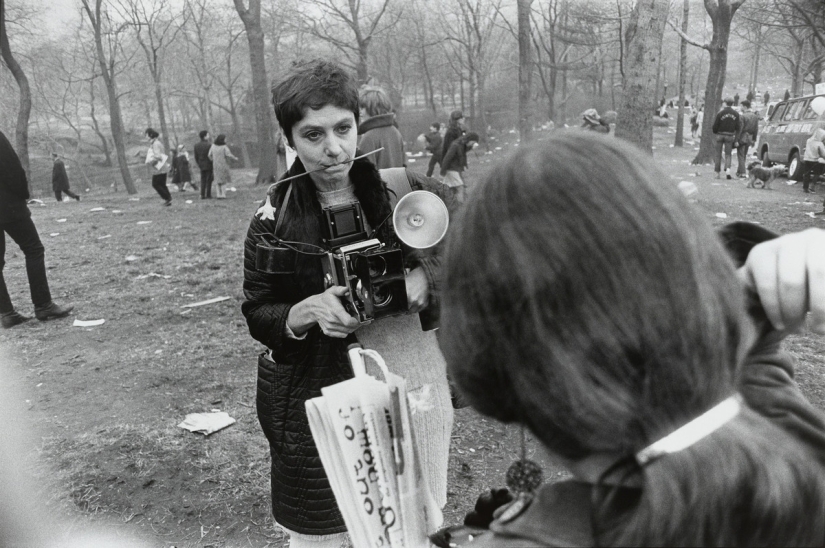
x,y
302,500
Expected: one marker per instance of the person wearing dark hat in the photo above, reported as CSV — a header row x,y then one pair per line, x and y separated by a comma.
x,y
455,129
726,126
15,220
60,180
593,122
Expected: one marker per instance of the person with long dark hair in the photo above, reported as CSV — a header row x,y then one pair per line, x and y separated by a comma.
x,y
158,164
303,323
642,348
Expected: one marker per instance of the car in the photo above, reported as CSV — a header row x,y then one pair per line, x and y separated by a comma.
x,y
782,139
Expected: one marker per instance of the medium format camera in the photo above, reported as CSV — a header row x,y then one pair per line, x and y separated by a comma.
x,y
373,272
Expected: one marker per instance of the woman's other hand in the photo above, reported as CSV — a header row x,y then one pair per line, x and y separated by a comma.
x,y
418,290
327,311
788,275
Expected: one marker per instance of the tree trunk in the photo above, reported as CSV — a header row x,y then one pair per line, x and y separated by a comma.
x,y
755,72
267,148
236,128
164,132
643,40
525,70
96,126
25,107
680,121
115,117
721,15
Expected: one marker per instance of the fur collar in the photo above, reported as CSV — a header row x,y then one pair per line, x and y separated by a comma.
x,y
382,120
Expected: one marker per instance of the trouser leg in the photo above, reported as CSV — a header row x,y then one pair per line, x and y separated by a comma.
x,y
728,151
24,234
742,158
58,195
5,301
717,153
806,175
70,194
431,166
159,184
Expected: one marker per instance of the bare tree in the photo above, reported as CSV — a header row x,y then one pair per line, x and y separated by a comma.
x,y
360,18
643,44
680,120
267,145
525,70
101,25
204,69
721,14
25,105
229,84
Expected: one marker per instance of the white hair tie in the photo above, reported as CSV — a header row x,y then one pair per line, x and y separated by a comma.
x,y
702,426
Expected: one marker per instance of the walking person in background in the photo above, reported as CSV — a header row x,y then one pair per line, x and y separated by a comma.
x,y
455,162
455,129
746,137
434,142
158,163
60,180
204,164
726,126
220,155
378,129
16,221
183,175
813,161
696,122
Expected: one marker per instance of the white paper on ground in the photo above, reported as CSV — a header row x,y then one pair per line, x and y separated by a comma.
x,y
153,275
208,301
88,323
206,423
722,215
104,237
144,222
98,209
62,220
55,234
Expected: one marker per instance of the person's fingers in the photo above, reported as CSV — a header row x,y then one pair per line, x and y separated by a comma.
x,y
816,282
338,290
791,265
762,266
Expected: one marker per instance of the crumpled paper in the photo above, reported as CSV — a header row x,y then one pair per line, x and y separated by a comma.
x,y
206,423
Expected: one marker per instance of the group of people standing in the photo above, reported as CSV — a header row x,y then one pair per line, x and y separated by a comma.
x,y
450,151
212,159
734,129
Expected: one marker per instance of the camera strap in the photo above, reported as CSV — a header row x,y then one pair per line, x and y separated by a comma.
x,y
397,182
283,209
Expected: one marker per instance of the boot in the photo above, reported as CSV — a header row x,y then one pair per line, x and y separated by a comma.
x,y
51,311
13,318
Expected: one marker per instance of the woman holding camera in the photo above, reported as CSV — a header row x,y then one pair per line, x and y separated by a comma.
x,y
305,325
641,349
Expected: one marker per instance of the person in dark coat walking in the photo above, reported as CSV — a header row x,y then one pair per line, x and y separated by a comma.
x,y
15,220
455,129
455,162
60,180
434,142
204,164
726,126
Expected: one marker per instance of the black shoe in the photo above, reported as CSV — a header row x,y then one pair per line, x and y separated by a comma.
x,y
729,177
167,203
13,318
51,311
77,198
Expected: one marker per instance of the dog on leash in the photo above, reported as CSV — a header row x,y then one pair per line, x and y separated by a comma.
x,y
762,177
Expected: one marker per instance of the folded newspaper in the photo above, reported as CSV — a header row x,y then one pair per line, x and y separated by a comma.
x,y
363,431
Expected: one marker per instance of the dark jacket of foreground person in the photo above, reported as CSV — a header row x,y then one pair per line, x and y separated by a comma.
x,y
298,369
559,514
14,188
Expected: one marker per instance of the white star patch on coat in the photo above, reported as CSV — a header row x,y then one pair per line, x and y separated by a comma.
x,y
266,211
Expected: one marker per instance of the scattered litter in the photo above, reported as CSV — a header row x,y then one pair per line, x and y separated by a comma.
x,y
188,201
185,312
722,215
117,211
208,301
158,351
62,220
131,258
411,160
232,189
104,237
671,146
811,214
206,423
654,148
144,222
790,182
35,201
688,188
88,323
153,275
98,209
498,148
134,199
55,234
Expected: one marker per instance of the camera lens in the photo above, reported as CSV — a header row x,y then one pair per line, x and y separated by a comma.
x,y
381,295
378,266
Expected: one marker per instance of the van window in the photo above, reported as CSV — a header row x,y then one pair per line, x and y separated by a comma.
x,y
793,111
809,113
778,111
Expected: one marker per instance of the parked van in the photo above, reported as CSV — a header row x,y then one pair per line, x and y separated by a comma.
x,y
782,140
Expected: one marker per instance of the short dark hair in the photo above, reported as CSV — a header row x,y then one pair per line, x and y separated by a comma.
x,y
151,133
436,125
220,139
313,84
746,103
203,134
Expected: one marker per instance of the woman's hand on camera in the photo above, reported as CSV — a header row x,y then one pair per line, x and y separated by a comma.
x,y
330,314
788,275
418,290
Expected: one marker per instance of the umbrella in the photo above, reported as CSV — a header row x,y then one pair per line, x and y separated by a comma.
x,y
364,435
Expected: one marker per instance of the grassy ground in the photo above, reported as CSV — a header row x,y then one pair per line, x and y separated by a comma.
x,y
105,401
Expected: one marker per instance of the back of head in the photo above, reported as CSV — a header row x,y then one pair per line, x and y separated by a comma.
x,y
220,139
203,134
313,85
728,101
604,321
455,116
374,101
151,133
746,103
